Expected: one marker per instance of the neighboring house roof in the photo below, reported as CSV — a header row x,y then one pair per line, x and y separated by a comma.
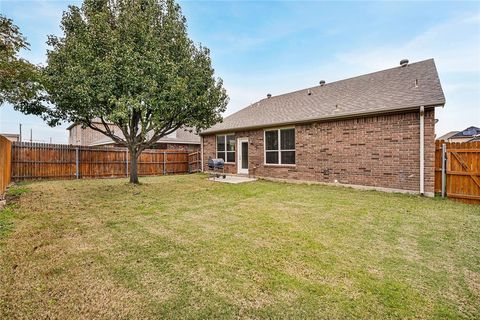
x,y
181,136
447,135
396,89
469,132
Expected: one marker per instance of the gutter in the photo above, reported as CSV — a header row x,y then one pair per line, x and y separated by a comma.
x,y
378,112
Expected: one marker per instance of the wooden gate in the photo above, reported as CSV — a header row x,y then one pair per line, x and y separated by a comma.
x,y
5,163
462,169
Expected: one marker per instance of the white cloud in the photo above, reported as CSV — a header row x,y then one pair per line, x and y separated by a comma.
x,y
453,45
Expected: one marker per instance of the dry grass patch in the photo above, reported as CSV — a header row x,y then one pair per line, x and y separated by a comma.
x,y
185,247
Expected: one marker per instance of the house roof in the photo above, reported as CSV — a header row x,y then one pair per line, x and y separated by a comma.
x,y
181,136
392,90
447,135
469,132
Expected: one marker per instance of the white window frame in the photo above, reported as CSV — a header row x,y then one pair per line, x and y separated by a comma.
x,y
279,147
224,135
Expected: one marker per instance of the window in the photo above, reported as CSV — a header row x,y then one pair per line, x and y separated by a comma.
x,y
226,147
280,146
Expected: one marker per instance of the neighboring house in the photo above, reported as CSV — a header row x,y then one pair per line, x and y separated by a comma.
x,y
467,135
365,131
181,139
14,137
446,136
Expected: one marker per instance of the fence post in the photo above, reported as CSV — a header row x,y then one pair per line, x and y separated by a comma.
x,y
126,162
77,162
164,162
444,173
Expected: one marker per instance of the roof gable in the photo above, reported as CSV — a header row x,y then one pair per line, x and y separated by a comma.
x,y
401,88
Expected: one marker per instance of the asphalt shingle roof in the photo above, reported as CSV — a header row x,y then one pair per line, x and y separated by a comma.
x,y
400,88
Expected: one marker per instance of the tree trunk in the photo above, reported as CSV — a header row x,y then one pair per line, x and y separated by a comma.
x,y
134,166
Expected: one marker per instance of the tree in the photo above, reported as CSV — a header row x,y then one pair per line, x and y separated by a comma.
x,y
130,64
18,77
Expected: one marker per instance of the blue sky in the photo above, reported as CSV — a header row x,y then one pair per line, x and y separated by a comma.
x,y
261,47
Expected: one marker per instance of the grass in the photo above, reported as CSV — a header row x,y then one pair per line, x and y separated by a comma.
x,y
183,247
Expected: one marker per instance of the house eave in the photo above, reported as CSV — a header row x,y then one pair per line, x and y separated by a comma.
x,y
377,112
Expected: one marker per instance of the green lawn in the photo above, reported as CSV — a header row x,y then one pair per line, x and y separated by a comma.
x,y
184,247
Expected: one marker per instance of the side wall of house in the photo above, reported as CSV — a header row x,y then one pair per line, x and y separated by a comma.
x,y
379,151
85,137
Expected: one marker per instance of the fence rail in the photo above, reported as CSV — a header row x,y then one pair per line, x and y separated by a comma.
x,y
5,164
457,170
55,161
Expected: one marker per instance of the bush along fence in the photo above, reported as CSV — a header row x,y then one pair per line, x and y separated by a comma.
x,y
56,161
5,164
457,170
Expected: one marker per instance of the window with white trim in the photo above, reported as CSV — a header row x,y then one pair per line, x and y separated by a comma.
x,y
226,147
280,146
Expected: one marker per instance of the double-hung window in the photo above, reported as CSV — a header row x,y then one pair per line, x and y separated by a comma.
x,y
280,146
226,147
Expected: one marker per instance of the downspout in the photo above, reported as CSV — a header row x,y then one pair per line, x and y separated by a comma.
x,y
422,150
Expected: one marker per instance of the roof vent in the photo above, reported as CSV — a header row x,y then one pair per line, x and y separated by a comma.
x,y
269,95
322,83
309,92
403,62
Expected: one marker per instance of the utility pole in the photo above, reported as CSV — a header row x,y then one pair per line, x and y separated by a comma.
x,y
50,140
31,135
20,132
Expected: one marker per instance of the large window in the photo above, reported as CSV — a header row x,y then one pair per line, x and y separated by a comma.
x,y
280,146
226,147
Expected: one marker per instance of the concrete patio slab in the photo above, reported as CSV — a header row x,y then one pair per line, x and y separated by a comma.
x,y
232,179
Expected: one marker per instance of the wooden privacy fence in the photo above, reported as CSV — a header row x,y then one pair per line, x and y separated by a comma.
x,y
5,163
457,170
57,161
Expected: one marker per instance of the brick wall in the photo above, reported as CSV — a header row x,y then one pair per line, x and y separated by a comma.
x,y
380,151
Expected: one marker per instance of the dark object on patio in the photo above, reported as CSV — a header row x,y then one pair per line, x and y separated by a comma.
x,y
216,165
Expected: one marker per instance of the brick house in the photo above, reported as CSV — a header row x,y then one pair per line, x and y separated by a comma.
x,y
368,131
181,139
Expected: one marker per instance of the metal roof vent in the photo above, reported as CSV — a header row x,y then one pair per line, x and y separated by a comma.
x,y
403,62
269,95
336,108
322,83
309,92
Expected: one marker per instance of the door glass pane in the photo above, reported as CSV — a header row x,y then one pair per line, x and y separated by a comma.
x,y
271,157
271,138
220,143
288,157
287,138
230,156
244,155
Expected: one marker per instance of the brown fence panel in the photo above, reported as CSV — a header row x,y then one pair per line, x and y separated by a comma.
x,y
102,162
5,164
462,170
47,161
42,161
